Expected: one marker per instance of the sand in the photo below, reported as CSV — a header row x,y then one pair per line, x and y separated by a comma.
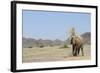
x,y
56,53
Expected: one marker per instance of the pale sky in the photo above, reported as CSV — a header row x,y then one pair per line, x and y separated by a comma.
x,y
54,25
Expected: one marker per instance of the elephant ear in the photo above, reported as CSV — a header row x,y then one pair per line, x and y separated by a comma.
x,y
73,40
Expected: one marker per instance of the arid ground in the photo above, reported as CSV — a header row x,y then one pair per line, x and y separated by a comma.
x,y
55,53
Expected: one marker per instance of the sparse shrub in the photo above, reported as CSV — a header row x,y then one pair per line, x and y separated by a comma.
x,y
65,46
51,45
41,46
30,47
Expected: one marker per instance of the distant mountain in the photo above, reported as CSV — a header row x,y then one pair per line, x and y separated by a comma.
x,y
87,37
30,42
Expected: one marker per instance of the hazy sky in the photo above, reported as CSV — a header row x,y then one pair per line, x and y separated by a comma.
x,y
54,25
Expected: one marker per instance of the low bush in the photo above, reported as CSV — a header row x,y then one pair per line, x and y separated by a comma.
x,y
30,47
41,46
65,46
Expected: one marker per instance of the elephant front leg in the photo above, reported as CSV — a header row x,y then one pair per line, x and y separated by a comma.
x,y
74,50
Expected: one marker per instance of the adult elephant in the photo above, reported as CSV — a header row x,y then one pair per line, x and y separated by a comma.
x,y
77,44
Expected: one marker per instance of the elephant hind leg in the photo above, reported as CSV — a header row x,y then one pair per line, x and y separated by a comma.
x,y
78,50
82,51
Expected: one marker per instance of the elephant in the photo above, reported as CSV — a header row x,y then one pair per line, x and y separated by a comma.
x,y
77,44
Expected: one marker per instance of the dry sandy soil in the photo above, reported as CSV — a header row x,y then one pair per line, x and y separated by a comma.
x,y
55,53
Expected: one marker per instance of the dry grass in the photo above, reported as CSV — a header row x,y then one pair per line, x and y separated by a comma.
x,y
56,53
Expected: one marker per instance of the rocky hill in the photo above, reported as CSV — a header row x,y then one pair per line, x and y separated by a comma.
x,y
30,42
87,37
